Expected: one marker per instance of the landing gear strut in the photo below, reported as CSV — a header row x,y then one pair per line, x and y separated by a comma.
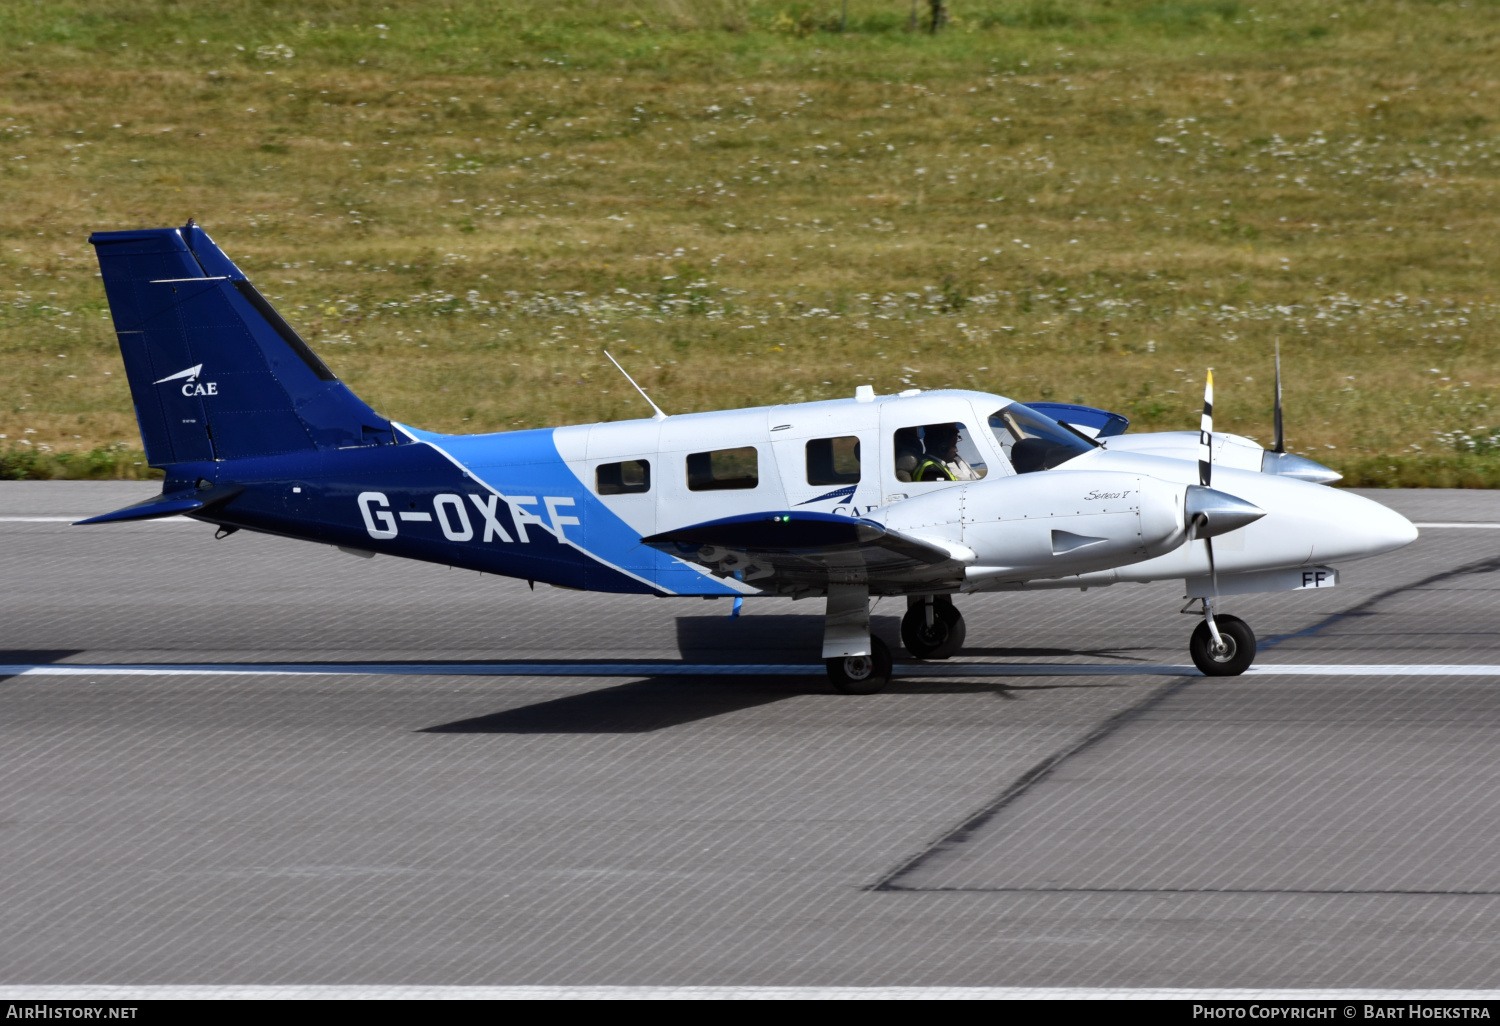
x,y
932,628
858,664
1222,645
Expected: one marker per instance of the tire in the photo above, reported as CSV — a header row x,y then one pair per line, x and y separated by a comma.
x,y
861,675
1237,636
943,639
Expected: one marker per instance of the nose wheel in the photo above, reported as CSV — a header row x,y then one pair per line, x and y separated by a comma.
x,y
1233,652
861,674
932,628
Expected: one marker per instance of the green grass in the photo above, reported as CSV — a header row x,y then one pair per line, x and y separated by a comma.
x,y
102,463
1086,202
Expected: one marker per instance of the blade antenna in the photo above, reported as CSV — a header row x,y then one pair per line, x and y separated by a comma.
x,y
1280,434
657,415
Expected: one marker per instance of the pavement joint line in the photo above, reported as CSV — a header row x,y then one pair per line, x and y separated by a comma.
x,y
1481,566
718,670
976,820
379,992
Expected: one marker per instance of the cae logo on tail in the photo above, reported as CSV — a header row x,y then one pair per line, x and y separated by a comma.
x,y
192,386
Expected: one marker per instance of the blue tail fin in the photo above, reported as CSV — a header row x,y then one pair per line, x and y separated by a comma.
x,y
215,372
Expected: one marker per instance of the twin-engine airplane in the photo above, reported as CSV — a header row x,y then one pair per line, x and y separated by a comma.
x,y
924,495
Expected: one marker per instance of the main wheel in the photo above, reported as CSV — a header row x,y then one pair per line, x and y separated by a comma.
x,y
861,675
1238,652
940,640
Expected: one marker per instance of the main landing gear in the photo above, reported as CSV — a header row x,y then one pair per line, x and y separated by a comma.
x,y
859,664
1222,645
932,628
861,674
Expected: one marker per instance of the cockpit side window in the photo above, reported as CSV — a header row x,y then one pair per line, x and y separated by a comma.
x,y
937,452
1032,441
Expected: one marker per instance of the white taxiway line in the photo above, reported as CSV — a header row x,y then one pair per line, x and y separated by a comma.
x,y
376,992
1460,524
951,669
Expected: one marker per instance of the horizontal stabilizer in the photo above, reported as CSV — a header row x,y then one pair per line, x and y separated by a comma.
x,y
171,505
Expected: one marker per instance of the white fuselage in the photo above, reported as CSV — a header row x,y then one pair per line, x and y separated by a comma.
x,y
1108,515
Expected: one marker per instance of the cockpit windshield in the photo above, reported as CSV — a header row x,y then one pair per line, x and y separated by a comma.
x,y
1032,441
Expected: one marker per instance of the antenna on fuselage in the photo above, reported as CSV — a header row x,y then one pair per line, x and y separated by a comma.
x,y
658,414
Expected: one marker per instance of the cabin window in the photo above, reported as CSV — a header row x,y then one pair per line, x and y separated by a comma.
x,y
627,478
833,461
723,468
937,452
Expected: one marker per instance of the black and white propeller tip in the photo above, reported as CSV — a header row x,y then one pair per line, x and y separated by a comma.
x,y
1206,434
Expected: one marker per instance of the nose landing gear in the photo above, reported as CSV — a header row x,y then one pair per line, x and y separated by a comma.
x,y
1222,645
932,628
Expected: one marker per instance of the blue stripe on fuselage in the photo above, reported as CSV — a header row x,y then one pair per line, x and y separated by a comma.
x,y
316,496
449,480
521,463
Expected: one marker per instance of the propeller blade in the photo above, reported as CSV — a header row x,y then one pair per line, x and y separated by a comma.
x,y
1206,435
1205,478
1276,415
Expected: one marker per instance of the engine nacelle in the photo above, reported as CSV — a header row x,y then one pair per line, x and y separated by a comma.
x,y
1053,524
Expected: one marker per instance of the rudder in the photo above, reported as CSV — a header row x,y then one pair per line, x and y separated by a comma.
x,y
215,372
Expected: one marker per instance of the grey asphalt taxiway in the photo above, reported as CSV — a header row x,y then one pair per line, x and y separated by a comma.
x,y
259,761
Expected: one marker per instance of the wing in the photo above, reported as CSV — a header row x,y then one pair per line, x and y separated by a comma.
x,y
799,550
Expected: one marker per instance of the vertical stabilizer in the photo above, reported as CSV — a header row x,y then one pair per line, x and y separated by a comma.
x,y
214,370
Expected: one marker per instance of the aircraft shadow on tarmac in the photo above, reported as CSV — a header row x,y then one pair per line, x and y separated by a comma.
x,y
636,708
1122,654
791,639
784,639
656,703
798,639
33,657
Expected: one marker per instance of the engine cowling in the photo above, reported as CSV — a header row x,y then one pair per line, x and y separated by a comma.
x,y
1052,524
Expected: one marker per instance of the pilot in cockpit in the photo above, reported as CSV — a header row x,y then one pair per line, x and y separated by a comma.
x,y
941,461
908,453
